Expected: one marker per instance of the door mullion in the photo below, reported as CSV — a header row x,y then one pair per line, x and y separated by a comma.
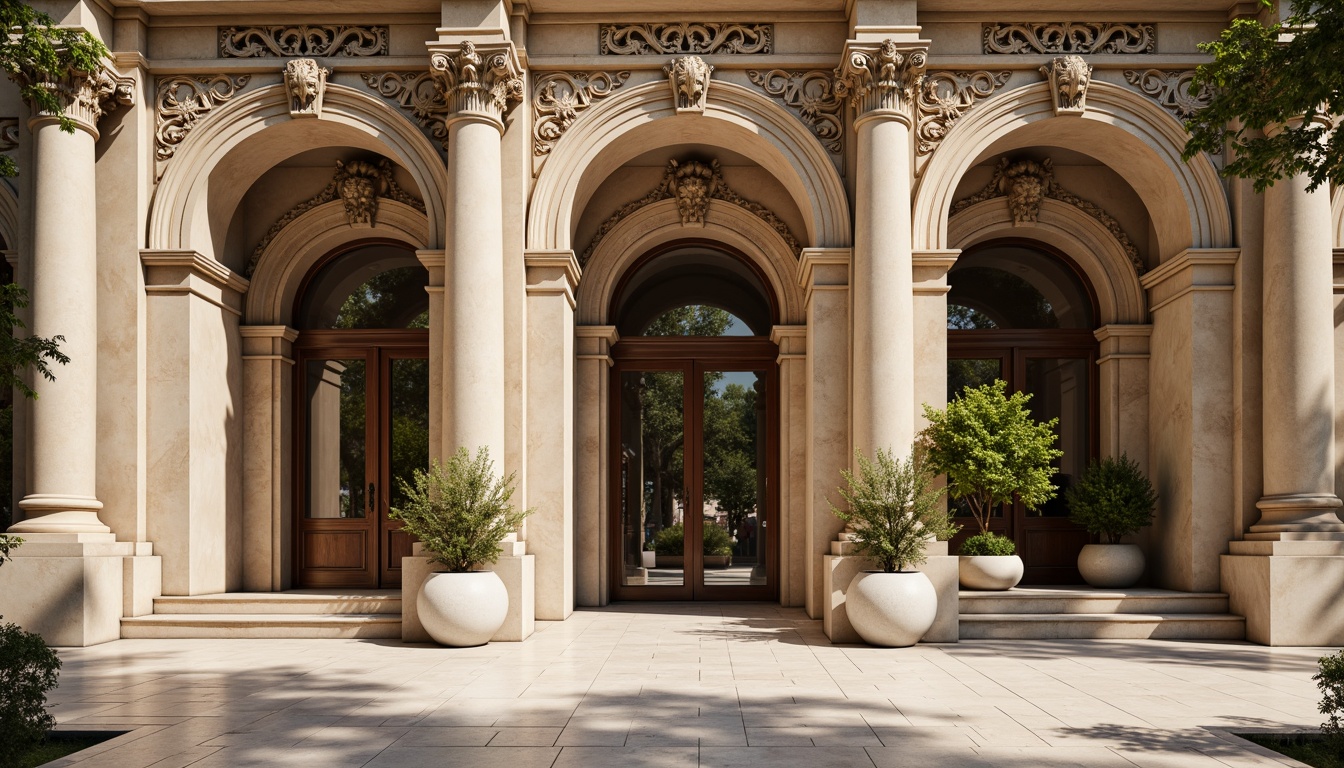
x,y
692,459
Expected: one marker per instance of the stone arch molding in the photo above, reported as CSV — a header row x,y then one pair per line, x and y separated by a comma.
x,y
1095,250
219,161
1337,216
660,223
1121,128
299,246
632,122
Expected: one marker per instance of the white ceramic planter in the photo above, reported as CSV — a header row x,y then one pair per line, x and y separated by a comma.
x,y
462,609
989,572
648,558
1111,565
891,609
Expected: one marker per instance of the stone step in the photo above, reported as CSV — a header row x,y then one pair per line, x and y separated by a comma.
x,y
1101,626
262,625
1073,600
312,602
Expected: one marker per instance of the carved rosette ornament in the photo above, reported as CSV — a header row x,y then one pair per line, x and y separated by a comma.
x,y
944,97
478,79
85,96
1069,78
306,83
811,95
688,77
559,97
1171,89
881,78
182,101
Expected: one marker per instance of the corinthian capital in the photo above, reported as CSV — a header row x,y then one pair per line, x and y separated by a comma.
x,y
83,96
881,76
478,79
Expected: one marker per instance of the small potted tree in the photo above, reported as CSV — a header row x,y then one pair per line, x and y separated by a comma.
x,y
992,452
1112,499
461,511
893,511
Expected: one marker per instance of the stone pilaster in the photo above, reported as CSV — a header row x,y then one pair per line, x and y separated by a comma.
x,y
1122,371
592,378
268,386
793,449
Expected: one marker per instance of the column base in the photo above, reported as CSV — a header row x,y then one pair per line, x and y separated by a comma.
x,y
839,570
1287,590
57,513
66,587
1299,512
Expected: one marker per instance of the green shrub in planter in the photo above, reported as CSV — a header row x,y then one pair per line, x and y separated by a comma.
x,y
668,542
1113,498
987,543
27,672
1330,679
893,509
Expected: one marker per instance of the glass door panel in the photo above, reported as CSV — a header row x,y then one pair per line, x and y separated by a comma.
x,y
652,479
733,457
407,446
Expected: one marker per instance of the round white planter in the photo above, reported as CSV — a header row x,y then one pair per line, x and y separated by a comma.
x,y
989,572
891,609
462,609
1111,565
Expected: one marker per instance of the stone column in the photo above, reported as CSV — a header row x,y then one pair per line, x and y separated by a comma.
x,y
480,82
793,447
879,81
62,442
552,277
592,381
1298,369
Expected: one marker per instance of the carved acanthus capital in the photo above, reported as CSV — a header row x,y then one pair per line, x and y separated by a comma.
x,y
688,77
306,83
1069,78
84,96
881,77
478,79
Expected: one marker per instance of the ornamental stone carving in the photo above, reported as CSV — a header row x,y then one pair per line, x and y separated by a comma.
x,y
181,102
811,96
559,97
1171,89
1069,37
359,184
692,184
83,96
883,77
9,134
417,94
688,77
711,37
1027,184
302,40
483,80
945,96
305,82
1069,78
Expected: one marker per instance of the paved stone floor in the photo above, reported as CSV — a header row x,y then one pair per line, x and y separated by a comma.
x,y
682,685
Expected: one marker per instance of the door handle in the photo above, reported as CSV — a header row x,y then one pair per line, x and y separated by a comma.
x,y
372,505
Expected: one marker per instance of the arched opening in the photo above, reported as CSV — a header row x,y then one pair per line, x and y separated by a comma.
x,y
1019,311
362,415
693,413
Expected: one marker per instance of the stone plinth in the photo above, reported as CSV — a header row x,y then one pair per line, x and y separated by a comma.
x,y
68,587
1288,590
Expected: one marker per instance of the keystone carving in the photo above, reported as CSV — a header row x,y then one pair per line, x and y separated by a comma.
x,y
689,78
484,79
712,37
1069,78
303,40
1069,37
559,97
181,102
306,83
1171,89
945,96
882,77
812,97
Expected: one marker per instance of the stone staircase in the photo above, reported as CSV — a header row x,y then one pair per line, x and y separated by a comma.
x,y
1060,613
305,613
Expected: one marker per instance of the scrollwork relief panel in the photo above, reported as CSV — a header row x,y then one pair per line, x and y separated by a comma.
x,y
673,38
302,40
1069,37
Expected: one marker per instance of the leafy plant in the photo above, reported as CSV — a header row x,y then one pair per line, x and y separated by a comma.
x,y
987,543
1113,498
669,542
992,450
893,508
460,510
27,672
1330,680
717,541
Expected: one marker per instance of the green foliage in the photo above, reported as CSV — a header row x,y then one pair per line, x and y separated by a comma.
x,y
730,437
992,450
1113,498
19,353
37,54
893,509
988,543
8,544
669,541
1330,680
1266,72
27,671
460,511
694,320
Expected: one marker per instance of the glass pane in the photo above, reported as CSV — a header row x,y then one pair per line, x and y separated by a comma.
x,y
697,320
1010,286
653,507
1059,389
334,397
733,534
971,372
377,286
409,434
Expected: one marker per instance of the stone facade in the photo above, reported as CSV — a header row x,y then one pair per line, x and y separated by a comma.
x,y
531,157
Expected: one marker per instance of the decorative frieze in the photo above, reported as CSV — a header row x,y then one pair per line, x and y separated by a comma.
x,y
692,184
688,76
181,102
482,79
559,97
302,40
673,38
417,94
945,96
1027,183
1069,37
1069,78
880,77
811,96
1171,89
305,82
358,184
